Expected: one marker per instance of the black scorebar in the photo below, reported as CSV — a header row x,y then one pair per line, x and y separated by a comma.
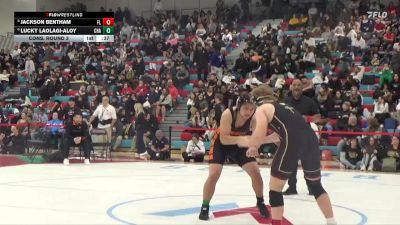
x,y
55,15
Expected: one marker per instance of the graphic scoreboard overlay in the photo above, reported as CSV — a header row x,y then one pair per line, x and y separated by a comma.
x,y
64,26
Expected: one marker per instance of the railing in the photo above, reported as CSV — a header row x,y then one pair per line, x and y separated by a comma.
x,y
326,132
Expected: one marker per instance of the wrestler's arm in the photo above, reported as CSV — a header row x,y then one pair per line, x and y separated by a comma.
x,y
263,117
225,130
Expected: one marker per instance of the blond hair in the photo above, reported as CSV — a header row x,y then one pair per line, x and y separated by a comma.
x,y
262,93
138,109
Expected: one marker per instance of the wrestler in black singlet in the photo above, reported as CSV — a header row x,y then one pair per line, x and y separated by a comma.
x,y
298,141
220,152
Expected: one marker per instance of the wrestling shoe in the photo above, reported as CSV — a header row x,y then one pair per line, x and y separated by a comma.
x,y
204,213
263,209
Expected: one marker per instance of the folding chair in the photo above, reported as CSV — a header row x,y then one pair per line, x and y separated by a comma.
x,y
34,146
101,141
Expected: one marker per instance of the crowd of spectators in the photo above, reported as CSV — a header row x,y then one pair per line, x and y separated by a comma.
x,y
318,60
112,84
323,60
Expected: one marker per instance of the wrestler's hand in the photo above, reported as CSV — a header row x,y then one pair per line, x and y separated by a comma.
x,y
252,152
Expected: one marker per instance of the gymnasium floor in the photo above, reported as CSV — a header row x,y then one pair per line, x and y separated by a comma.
x,y
170,193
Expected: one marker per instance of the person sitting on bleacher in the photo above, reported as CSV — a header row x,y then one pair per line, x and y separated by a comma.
x,y
194,150
55,130
182,77
353,154
388,159
381,110
369,151
386,75
15,143
355,100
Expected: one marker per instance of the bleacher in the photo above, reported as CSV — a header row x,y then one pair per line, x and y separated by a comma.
x,y
153,65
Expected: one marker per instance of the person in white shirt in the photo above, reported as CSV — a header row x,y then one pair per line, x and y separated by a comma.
x,y
227,38
29,68
309,41
381,110
352,34
194,150
155,33
252,80
358,73
339,30
308,60
107,117
359,43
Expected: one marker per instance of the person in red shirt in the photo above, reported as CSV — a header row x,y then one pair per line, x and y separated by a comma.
x,y
127,89
388,38
173,91
141,91
379,27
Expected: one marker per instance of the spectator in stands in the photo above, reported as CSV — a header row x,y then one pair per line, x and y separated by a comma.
x,y
140,126
369,152
336,107
242,65
55,130
359,44
324,100
353,154
182,77
49,88
141,91
15,143
388,159
308,61
200,61
218,107
381,109
107,116
194,150
173,91
218,62
308,42
198,121
159,148
386,75
76,134
355,100
165,104
126,89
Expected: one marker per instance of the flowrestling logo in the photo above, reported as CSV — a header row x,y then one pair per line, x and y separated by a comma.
x,y
382,15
